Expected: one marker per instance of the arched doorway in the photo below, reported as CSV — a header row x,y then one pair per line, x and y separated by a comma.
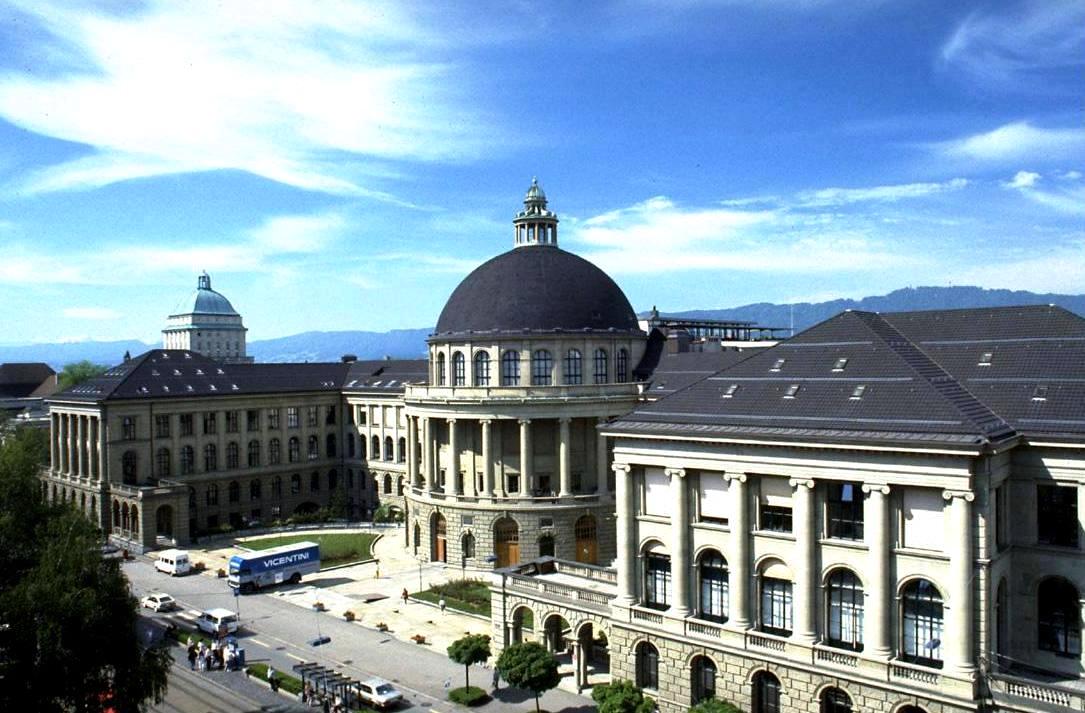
x,y
507,542
417,537
592,655
522,618
439,528
163,521
587,540
555,629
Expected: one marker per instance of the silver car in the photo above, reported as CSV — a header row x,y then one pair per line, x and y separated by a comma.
x,y
159,601
379,693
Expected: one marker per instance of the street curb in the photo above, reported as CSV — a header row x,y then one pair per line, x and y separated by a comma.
x,y
460,612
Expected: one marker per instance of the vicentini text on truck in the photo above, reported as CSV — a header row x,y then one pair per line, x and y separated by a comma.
x,y
289,563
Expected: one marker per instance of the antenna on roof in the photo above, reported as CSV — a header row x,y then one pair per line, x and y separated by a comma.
x,y
127,355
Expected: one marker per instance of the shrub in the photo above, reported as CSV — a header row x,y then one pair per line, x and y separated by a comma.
x,y
468,696
621,697
714,705
348,615
220,573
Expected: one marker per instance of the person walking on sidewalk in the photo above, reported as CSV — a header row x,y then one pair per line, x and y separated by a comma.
x,y
191,655
404,595
496,683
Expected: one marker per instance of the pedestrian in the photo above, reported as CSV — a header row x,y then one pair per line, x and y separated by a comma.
x,y
327,705
496,679
404,595
191,655
441,604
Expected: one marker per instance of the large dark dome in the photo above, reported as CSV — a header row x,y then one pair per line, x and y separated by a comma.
x,y
537,288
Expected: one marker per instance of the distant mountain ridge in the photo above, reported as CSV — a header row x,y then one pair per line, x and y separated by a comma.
x,y
411,343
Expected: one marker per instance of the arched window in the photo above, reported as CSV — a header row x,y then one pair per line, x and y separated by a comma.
x,y
212,494
254,454
210,458
274,452
314,482
834,700
313,449
712,570
601,366
191,498
657,577
134,519
295,483
401,452
647,666
188,460
389,447
254,489
232,456
542,365
361,447
921,622
765,693
467,545
621,366
400,484
333,479
329,445
703,679
482,368
546,545
510,368
844,602
376,452
162,463
459,372
387,485
294,449
1059,616
234,491
130,467
776,611
441,369
116,513
574,372
277,486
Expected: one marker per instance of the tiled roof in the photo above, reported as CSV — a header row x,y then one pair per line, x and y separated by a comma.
x,y
680,370
958,376
385,376
24,379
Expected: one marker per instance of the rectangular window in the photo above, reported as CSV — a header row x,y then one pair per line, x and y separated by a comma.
x,y
312,416
924,522
329,415
1056,515
776,606
187,426
1000,516
273,418
844,511
162,426
657,492
292,417
210,425
362,415
295,484
657,581
715,498
775,505
252,420
128,428
232,422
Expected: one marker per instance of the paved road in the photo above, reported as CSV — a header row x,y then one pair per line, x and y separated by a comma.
x,y
276,631
191,692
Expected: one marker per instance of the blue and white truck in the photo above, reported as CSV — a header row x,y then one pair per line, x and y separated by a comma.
x,y
262,568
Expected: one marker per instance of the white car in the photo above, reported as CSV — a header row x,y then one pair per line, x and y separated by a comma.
x,y
217,622
159,601
379,693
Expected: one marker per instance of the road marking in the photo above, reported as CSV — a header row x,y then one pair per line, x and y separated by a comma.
x,y
296,658
259,643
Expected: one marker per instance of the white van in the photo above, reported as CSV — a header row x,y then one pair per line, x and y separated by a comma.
x,y
217,622
173,562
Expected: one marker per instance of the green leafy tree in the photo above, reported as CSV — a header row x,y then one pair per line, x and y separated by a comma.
x,y
622,697
77,372
531,667
715,705
68,623
469,650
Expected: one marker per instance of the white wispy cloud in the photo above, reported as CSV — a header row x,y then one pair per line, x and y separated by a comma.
x,y
1067,195
1055,269
659,223
1018,141
1009,43
886,194
271,88
102,313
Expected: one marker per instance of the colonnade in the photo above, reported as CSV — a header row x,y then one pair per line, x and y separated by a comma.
x,y
423,469
77,445
879,590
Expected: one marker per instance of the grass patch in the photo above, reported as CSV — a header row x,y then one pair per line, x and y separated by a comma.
x,y
467,595
286,682
468,696
335,548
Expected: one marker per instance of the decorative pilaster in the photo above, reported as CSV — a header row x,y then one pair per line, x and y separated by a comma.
x,y
679,542
959,653
80,442
413,475
427,454
54,441
564,476
487,459
101,448
625,512
805,561
601,486
70,445
526,457
876,640
454,459
739,553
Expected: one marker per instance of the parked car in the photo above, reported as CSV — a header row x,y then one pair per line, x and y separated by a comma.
x,y
217,622
159,601
173,562
379,693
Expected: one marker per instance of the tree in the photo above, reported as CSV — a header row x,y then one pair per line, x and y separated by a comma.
x,y
714,705
471,649
68,622
622,697
529,666
77,372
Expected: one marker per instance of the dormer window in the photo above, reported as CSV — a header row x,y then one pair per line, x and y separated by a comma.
x,y
792,391
840,364
731,391
1040,393
778,364
857,392
214,388
985,359
176,372
154,372
199,372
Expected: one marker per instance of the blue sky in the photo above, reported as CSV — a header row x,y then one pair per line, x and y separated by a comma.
x,y
342,165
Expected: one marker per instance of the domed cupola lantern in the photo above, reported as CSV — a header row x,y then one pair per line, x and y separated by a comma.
x,y
535,225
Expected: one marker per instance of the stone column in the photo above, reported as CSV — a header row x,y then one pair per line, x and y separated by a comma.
x,y
427,455
601,469
54,441
70,444
101,448
80,442
564,476
959,632
739,554
679,542
413,476
487,459
625,511
876,639
526,457
805,564
454,459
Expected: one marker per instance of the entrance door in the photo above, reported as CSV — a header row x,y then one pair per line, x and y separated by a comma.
x,y
440,538
587,541
507,542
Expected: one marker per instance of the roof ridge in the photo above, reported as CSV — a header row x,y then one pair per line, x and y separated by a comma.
x,y
990,424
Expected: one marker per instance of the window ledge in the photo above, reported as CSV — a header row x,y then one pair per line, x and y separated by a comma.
x,y
716,526
915,552
848,544
661,519
775,535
